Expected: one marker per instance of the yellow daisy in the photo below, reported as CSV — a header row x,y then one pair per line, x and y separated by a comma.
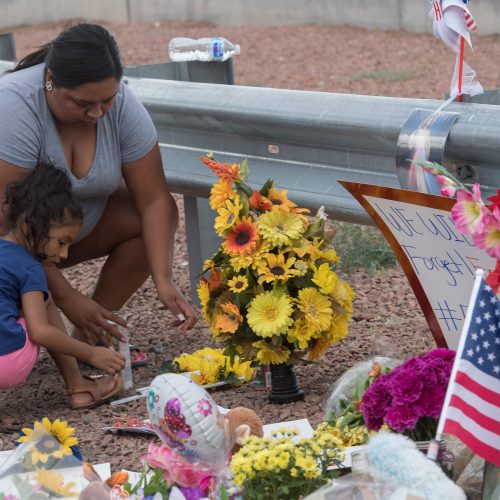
x,y
227,216
339,327
316,308
325,278
268,354
238,284
53,483
220,193
343,294
270,314
204,295
280,228
229,319
276,268
318,251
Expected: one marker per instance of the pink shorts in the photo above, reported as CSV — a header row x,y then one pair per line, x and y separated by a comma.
x,y
16,366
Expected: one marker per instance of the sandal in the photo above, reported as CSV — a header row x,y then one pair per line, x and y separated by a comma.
x,y
97,399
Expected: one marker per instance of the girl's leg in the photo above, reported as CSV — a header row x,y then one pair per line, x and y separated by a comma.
x,y
70,372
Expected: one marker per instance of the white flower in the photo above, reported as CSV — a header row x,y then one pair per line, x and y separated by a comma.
x,y
321,215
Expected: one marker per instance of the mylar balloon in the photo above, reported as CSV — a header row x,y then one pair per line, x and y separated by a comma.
x,y
187,420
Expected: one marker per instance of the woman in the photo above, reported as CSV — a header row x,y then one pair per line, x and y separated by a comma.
x,y
65,104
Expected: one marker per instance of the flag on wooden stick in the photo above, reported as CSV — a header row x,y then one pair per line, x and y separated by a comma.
x,y
471,409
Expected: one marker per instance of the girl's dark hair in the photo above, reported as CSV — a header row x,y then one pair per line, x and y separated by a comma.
x,y
41,199
80,54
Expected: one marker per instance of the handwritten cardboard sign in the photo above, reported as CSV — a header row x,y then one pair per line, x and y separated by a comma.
x,y
438,261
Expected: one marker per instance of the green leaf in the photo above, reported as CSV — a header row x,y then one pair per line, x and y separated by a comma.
x,y
244,170
264,191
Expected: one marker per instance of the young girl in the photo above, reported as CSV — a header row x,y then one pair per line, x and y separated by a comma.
x,y
43,219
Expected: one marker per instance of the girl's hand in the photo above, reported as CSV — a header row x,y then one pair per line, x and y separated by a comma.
x,y
176,303
107,359
91,319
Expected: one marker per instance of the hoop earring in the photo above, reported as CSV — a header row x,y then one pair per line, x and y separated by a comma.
x,y
48,85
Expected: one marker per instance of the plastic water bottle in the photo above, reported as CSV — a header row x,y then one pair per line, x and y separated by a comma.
x,y
203,49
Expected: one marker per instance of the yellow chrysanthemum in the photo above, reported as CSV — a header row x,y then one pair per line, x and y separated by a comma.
x,y
280,228
343,294
270,314
279,200
227,216
276,268
316,308
229,319
220,193
301,333
53,483
252,259
325,278
242,239
204,296
238,284
56,445
268,354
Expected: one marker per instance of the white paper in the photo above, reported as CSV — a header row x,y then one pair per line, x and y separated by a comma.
x,y
302,426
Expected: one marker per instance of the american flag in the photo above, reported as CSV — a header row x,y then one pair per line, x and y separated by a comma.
x,y
471,410
438,13
469,20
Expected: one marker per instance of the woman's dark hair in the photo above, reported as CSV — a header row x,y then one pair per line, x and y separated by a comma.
x,y
41,199
80,54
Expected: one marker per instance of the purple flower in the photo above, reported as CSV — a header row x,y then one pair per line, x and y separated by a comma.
x,y
401,418
406,386
374,403
193,493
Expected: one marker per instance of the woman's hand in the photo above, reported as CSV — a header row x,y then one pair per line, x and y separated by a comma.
x,y
106,359
176,303
91,319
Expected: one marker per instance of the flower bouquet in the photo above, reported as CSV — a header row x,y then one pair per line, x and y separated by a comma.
x,y
46,464
472,216
284,466
410,397
210,366
271,290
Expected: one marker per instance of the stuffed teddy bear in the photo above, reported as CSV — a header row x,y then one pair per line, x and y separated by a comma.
x,y
242,422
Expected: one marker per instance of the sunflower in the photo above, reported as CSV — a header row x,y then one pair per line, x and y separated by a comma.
x,y
230,319
280,200
228,216
220,193
343,294
270,314
280,228
325,278
242,238
276,268
316,308
53,483
238,284
58,443
268,354
301,333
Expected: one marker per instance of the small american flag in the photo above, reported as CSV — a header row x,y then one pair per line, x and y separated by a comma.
x,y
471,410
438,13
469,20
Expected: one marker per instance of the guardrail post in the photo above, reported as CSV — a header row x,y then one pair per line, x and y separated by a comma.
x,y
7,47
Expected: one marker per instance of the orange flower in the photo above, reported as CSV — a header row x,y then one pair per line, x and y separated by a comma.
x,y
230,319
280,200
214,280
225,171
242,238
259,202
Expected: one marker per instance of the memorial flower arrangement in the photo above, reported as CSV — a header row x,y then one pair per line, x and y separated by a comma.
x,y
271,289
284,466
472,216
410,397
209,366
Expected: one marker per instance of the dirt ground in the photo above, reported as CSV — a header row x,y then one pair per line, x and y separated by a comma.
x,y
310,57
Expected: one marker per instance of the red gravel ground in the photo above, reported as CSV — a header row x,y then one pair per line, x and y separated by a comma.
x,y
310,57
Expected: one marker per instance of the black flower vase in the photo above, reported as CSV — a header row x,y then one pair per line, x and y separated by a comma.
x,y
284,387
